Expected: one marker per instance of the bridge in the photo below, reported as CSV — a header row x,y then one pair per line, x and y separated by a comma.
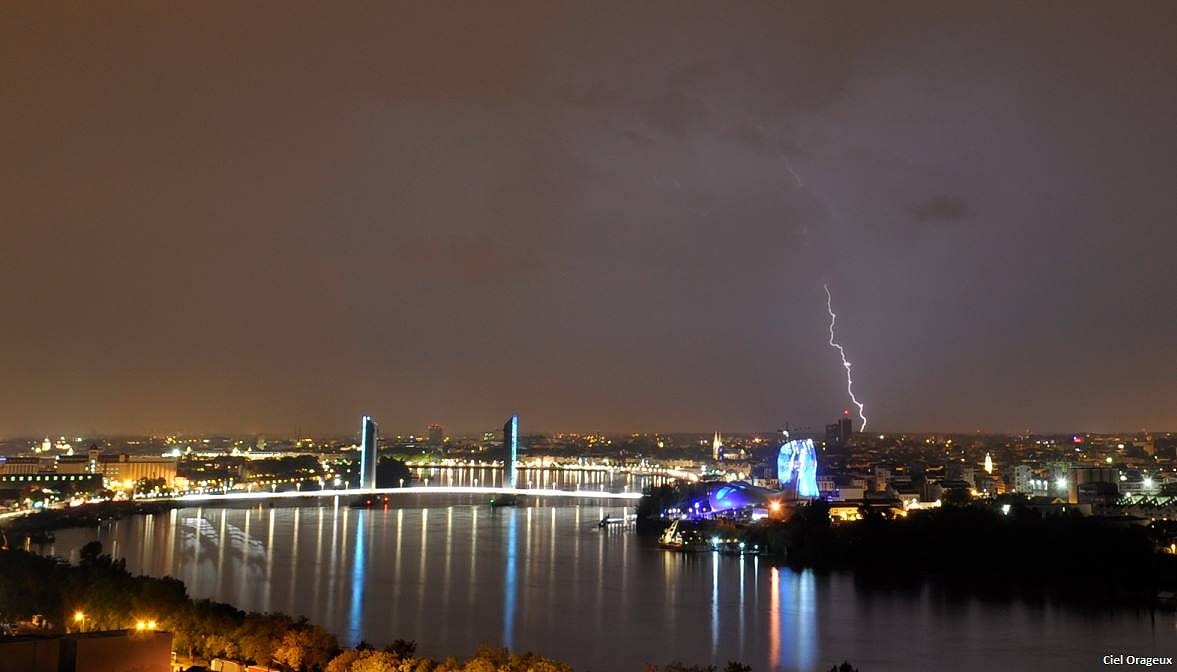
x,y
636,470
411,490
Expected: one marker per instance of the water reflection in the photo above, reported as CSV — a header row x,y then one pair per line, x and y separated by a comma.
x,y
358,565
509,586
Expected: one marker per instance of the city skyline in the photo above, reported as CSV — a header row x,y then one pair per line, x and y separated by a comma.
x,y
253,220
404,434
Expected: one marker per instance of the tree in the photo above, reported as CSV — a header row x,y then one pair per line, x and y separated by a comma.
x,y
402,648
844,667
90,553
342,662
390,473
306,647
260,635
376,661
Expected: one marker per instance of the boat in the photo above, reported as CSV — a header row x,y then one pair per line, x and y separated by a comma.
x,y
504,500
682,539
370,502
627,520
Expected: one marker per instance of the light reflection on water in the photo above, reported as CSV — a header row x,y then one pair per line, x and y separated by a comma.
x,y
454,574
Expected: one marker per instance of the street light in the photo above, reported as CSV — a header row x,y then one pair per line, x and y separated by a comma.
x,y
80,619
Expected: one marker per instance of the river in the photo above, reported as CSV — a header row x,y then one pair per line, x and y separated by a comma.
x,y
453,574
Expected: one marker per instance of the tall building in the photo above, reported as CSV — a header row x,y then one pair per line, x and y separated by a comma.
x,y
1024,479
510,450
716,444
436,434
988,464
840,433
959,471
368,453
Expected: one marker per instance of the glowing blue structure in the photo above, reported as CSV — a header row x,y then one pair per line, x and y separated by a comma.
x,y
510,450
368,453
738,495
797,467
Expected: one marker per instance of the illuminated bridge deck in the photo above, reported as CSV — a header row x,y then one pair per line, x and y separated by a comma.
x,y
412,490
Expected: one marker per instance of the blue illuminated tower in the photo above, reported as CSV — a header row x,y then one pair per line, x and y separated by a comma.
x,y
510,450
797,467
368,452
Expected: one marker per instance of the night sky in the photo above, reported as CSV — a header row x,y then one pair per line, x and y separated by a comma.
x,y
269,217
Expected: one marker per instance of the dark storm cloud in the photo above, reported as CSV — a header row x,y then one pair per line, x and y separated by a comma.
x,y
618,217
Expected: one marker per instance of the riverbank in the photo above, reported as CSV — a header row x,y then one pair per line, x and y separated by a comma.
x,y
38,526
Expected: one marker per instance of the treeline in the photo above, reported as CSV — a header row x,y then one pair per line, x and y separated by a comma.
x,y
978,551
109,598
656,499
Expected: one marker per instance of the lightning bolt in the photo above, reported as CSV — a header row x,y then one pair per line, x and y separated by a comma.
x,y
845,362
796,177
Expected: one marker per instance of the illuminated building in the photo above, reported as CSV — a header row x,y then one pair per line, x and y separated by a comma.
x,y
69,483
368,453
510,450
988,463
739,495
124,470
1024,481
797,467
436,435
716,444
25,465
